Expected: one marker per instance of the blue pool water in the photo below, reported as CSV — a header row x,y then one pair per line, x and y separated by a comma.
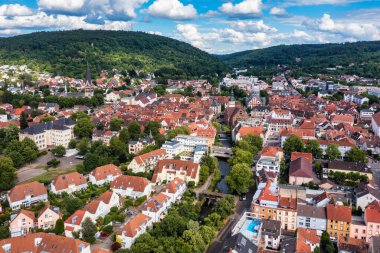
x,y
252,225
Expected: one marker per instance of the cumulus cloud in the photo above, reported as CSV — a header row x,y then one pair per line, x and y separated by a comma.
x,y
172,9
318,2
191,34
7,32
349,30
252,26
60,5
244,9
15,10
279,12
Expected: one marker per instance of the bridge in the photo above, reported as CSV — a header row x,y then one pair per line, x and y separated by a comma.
x,y
212,196
221,152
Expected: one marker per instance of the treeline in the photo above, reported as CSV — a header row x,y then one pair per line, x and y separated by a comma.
x,y
66,53
312,59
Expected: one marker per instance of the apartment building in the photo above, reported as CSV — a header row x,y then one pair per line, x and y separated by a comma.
x,y
169,169
50,134
338,221
26,194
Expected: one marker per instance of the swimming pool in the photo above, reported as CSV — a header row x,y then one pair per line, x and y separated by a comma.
x,y
252,225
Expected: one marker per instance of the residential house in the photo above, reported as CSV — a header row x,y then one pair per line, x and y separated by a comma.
x,y
279,119
173,148
302,133
311,217
270,160
372,219
104,174
338,221
175,189
240,131
168,169
103,136
48,216
375,124
347,167
43,242
342,119
321,200
135,147
358,228
101,206
344,145
351,245
69,183
131,186
190,142
307,240
366,194
300,171
147,162
268,204
22,223
73,224
374,244
157,207
135,227
271,234
52,133
26,194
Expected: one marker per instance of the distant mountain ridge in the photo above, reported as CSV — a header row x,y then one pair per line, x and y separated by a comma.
x,y
66,53
313,58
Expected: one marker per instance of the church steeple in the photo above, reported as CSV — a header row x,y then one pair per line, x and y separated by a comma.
x,y
88,87
88,76
232,103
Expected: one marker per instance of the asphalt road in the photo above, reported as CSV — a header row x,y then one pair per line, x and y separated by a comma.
x,y
225,233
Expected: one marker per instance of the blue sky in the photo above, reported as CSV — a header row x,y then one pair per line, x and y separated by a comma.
x,y
216,26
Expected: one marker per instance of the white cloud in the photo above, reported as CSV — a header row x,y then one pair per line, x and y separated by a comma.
x,y
279,12
155,33
42,20
172,9
348,30
252,26
244,9
318,2
191,34
15,10
7,32
61,5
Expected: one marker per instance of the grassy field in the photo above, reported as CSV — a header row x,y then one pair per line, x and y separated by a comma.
x,y
51,174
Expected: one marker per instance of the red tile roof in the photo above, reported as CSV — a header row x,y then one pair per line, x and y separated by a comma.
x,y
271,151
154,204
19,192
123,182
267,195
338,213
255,131
63,181
372,212
76,218
131,227
187,167
156,153
101,173
296,155
305,237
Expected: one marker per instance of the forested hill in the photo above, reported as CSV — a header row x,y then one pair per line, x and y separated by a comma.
x,y
313,58
65,53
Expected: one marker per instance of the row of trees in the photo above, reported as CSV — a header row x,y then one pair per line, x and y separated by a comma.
x,y
295,144
183,229
241,177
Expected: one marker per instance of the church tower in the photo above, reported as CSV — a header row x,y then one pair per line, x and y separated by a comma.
x,y
232,102
88,86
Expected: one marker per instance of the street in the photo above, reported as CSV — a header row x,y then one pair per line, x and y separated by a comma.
x,y
225,233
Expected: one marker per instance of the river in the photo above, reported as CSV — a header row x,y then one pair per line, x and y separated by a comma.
x,y
224,169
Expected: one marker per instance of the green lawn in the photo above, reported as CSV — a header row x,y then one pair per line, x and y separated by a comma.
x,y
51,174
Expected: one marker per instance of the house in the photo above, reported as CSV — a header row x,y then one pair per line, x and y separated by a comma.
x,y
174,189
351,245
271,234
372,220
173,148
135,227
48,216
233,114
267,203
69,183
270,160
43,242
101,206
279,119
26,194
103,136
52,133
157,207
344,145
22,223
302,133
112,97
321,200
168,169
104,174
191,142
307,240
239,243
131,186
375,124
147,162
74,222
347,167
240,131
253,100
374,244
338,221
342,119
366,194
135,147
311,217
300,171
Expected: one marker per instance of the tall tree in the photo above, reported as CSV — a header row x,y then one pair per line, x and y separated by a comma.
x,y
23,121
312,146
88,230
332,152
116,124
83,128
7,173
293,144
240,178
355,154
59,227
134,130
124,136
